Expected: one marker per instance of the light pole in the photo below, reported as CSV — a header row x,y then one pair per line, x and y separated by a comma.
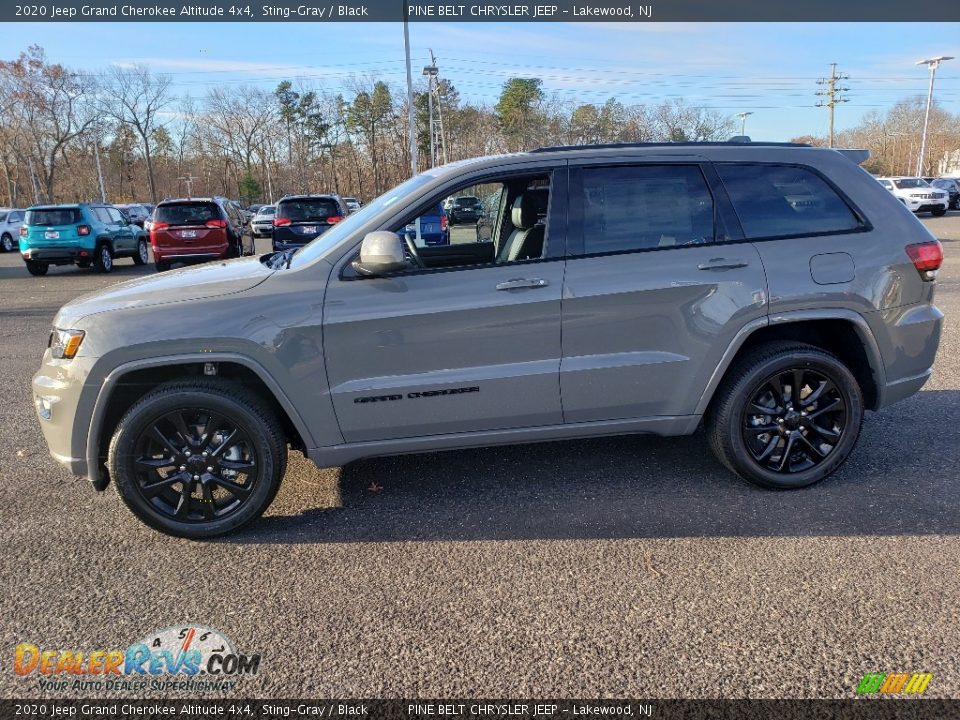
x,y
411,117
743,121
933,64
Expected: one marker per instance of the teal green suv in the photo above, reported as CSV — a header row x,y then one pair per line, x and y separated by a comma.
x,y
83,235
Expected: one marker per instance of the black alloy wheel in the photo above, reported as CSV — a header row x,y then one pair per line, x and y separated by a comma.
x,y
794,420
195,465
198,458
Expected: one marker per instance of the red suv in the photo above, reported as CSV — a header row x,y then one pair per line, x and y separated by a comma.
x,y
196,230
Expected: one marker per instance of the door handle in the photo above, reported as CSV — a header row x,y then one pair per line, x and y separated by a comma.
x,y
722,264
520,283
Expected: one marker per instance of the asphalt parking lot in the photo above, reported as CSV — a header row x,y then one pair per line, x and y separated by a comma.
x,y
616,567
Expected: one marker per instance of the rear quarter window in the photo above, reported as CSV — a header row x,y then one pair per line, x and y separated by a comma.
x,y
53,216
784,201
186,213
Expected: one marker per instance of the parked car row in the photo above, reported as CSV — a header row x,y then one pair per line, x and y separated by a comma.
x,y
922,195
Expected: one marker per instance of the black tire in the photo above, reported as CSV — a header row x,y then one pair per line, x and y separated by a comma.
x,y
103,258
261,446
939,212
37,268
162,265
729,421
6,243
141,255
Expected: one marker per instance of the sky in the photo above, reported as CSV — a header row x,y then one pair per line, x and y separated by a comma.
x,y
769,69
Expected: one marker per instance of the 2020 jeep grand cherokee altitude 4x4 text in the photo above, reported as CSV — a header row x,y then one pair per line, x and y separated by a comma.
x,y
773,292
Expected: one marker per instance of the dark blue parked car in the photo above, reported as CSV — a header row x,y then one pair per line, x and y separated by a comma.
x,y
434,227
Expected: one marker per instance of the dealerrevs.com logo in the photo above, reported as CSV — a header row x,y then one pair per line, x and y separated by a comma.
x,y
894,683
188,657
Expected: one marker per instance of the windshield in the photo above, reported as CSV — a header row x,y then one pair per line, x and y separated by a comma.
x,y
909,183
343,230
467,202
945,184
269,210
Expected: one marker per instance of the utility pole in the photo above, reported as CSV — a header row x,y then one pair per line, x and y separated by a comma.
x,y
440,132
430,72
188,179
933,64
832,93
743,121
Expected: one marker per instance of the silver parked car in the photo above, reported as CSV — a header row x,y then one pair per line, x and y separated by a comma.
x,y
770,292
262,223
10,223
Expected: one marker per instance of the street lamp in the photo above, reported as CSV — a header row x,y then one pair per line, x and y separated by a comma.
x,y
743,121
933,64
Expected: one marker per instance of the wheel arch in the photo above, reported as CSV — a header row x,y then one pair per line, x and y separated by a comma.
x,y
130,381
840,331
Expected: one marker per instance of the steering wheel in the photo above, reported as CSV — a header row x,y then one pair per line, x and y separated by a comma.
x,y
412,250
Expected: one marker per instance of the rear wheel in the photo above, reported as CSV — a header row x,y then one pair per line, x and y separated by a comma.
x,y
103,258
162,265
786,416
37,268
6,243
198,458
142,255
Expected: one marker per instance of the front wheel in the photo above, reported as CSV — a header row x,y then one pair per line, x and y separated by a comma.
x,y
103,258
198,458
785,416
939,212
37,268
141,256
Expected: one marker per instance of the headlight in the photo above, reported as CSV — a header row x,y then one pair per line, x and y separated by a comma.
x,y
65,343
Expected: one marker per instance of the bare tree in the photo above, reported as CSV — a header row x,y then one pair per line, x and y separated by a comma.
x,y
50,106
136,97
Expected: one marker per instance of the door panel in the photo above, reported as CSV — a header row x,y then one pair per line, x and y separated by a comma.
x,y
444,351
654,298
643,332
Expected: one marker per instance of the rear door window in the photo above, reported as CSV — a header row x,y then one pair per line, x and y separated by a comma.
x,y
643,207
785,201
115,216
53,216
193,213
102,215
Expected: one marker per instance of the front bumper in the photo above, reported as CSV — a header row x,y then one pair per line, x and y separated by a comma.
x,y
64,402
925,204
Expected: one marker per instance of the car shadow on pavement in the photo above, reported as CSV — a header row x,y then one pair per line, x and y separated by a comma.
x,y
902,479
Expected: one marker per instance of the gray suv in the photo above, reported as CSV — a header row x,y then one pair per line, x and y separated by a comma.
x,y
770,292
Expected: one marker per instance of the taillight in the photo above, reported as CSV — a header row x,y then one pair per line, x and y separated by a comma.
x,y
334,219
444,222
23,231
159,226
83,229
281,222
927,258
216,223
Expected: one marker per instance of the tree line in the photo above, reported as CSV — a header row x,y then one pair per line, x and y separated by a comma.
x,y
62,130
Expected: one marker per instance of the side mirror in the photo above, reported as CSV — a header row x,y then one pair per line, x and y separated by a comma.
x,y
381,252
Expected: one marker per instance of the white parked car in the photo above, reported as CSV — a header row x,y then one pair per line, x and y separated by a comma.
x,y
917,194
10,222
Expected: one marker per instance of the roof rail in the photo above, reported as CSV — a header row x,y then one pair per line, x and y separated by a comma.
x,y
737,140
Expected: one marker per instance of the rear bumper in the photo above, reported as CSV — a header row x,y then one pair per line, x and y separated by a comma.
x,y
908,342
57,255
